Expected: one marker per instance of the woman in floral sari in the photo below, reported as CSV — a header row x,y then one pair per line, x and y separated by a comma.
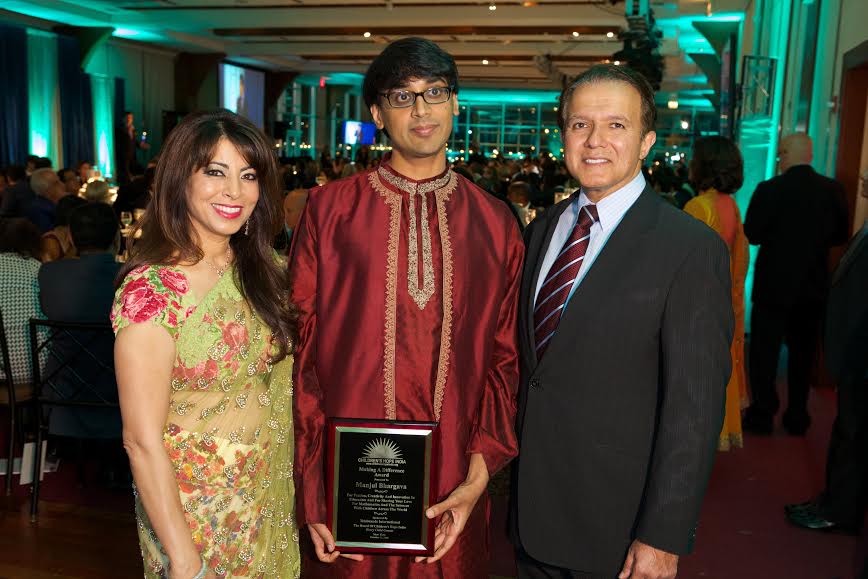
x,y
203,361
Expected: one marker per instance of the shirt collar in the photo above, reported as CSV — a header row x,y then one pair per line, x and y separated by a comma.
x,y
613,207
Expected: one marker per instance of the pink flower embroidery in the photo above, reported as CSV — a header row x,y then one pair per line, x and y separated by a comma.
x,y
140,301
234,335
174,281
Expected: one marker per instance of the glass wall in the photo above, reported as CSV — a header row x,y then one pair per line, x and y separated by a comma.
x,y
490,122
512,126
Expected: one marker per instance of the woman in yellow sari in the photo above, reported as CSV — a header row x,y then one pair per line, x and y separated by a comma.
x,y
717,172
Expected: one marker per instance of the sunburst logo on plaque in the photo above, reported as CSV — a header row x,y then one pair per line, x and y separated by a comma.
x,y
382,448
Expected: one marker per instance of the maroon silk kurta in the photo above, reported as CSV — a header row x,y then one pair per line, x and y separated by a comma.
x,y
408,292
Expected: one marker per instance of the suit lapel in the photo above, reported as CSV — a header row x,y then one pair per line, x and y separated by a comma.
x,y
539,249
616,255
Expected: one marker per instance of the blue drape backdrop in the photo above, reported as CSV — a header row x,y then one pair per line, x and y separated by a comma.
x,y
76,104
14,124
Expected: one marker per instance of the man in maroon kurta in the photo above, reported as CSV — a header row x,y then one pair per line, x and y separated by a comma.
x,y
407,279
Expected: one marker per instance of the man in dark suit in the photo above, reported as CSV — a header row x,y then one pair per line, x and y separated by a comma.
x,y
625,326
126,144
843,503
795,218
18,196
82,290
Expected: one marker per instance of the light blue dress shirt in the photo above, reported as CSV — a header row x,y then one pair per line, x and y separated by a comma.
x,y
610,209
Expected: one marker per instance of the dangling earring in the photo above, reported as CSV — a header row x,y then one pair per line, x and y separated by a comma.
x,y
247,227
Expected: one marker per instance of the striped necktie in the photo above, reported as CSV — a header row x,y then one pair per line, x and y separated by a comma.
x,y
553,293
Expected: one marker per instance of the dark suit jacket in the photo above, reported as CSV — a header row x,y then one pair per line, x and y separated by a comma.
x,y
846,344
619,422
17,200
82,290
795,218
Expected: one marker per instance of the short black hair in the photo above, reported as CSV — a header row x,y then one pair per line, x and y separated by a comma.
x,y
94,227
18,235
65,206
716,163
404,59
609,73
15,173
42,163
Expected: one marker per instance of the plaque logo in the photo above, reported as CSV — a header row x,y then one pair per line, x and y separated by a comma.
x,y
382,449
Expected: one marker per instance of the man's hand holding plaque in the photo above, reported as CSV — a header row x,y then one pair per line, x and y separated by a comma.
x,y
456,509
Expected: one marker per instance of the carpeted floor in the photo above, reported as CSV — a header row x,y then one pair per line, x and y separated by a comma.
x,y
742,532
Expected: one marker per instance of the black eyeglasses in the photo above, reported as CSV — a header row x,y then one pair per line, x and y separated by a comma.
x,y
401,99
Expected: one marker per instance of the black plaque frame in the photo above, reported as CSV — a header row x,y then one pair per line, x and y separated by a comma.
x,y
345,521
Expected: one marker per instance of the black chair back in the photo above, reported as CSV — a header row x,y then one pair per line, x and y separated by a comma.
x,y
74,376
75,365
9,385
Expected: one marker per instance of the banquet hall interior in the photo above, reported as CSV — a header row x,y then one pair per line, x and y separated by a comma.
x,y
92,88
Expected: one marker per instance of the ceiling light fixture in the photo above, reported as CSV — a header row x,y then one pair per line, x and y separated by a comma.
x,y
367,34
672,104
484,61
575,34
610,35
492,6
617,63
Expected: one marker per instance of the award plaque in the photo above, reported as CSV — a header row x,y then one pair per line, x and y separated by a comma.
x,y
379,485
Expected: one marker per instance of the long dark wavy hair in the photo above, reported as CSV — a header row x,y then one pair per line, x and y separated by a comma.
x,y
167,232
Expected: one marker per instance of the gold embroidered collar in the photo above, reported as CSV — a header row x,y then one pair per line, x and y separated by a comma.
x,y
412,186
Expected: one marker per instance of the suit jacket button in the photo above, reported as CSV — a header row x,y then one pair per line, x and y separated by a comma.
x,y
534,383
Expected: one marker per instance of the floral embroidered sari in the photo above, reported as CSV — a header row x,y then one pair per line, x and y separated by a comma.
x,y
229,430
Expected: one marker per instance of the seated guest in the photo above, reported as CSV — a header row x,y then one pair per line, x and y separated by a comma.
x,y
98,192
48,190
293,205
18,194
19,291
84,170
70,180
136,194
717,172
519,195
82,290
57,243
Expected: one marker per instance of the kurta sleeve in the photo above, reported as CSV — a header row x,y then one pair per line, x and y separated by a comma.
x,y
695,338
308,411
493,434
